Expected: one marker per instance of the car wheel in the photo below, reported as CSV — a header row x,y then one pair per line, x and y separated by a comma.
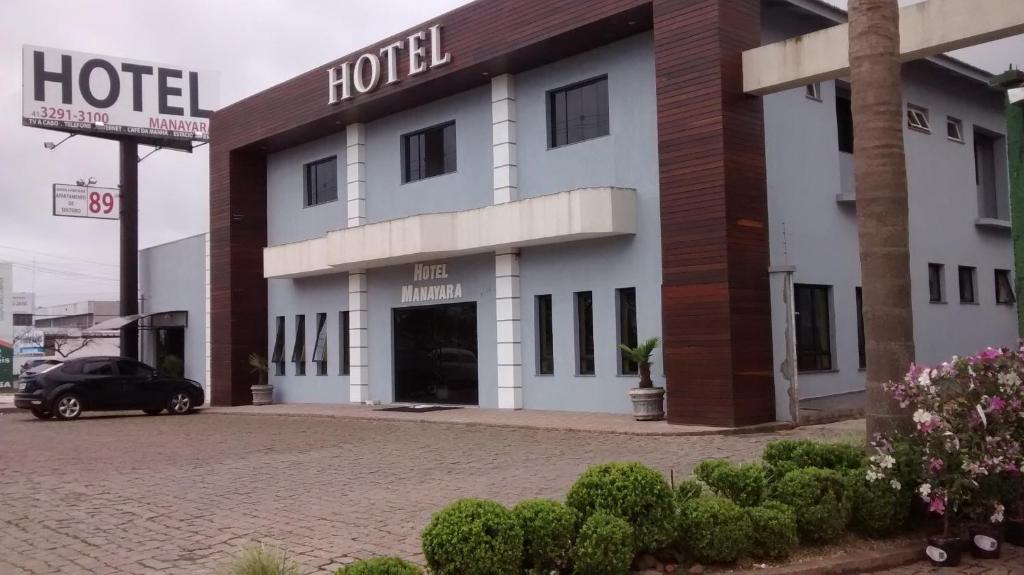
x,y
67,406
40,414
179,404
152,411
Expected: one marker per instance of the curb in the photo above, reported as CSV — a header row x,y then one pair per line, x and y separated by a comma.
x,y
856,562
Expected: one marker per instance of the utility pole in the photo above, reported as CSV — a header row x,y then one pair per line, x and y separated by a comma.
x,y
129,223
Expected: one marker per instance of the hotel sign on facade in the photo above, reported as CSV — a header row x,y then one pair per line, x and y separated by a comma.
x,y
422,49
419,292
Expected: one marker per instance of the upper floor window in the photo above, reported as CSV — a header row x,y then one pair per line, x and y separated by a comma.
x,y
954,129
428,153
321,181
988,162
578,112
814,91
917,119
844,119
813,327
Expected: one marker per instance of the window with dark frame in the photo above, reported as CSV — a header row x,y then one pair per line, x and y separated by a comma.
x,y
321,180
936,283
578,112
626,327
429,152
22,319
1004,288
814,91
844,119
320,347
954,129
344,339
299,349
277,357
862,358
968,282
545,336
584,304
813,327
985,146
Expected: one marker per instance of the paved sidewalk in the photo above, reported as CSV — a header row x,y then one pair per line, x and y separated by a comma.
x,y
520,419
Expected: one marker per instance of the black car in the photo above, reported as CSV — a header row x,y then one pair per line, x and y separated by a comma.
x,y
103,384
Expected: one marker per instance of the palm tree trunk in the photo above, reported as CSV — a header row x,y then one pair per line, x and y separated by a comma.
x,y
882,209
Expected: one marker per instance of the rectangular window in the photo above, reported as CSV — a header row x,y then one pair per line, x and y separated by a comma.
x,y
813,327
578,112
343,338
627,331
320,347
321,181
22,320
985,175
844,119
968,284
545,336
584,333
277,358
917,119
954,129
1004,288
428,153
936,283
862,359
299,349
814,91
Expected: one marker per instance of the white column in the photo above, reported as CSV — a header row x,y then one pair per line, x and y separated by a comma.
x,y
358,325
507,306
358,346
503,129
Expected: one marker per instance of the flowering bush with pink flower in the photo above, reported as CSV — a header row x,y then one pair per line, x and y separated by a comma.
x,y
968,418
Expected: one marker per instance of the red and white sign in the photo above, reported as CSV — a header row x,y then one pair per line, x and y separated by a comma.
x,y
86,202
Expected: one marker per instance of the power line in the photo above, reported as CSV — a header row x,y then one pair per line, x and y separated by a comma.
x,y
58,256
64,273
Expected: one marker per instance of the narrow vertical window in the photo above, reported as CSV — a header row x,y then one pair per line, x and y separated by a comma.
x,y
968,284
320,347
343,337
545,336
813,91
936,283
626,328
277,358
862,359
954,129
429,152
584,333
985,177
1004,288
299,350
321,181
813,327
578,112
844,119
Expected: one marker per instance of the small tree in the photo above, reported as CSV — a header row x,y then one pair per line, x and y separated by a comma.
x,y
258,363
65,345
641,354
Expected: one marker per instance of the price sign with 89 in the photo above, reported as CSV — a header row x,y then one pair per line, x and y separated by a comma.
x,y
100,203
86,202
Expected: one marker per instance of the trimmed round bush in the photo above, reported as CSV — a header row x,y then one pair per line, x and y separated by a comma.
x,y
688,489
785,455
605,546
773,532
876,509
745,484
629,491
714,529
548,531
473,537
380,566
818,498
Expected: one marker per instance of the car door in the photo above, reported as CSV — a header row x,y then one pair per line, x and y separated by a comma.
x,y
99,385
139,389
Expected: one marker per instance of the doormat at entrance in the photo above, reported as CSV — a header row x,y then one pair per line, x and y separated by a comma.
x,y
418,408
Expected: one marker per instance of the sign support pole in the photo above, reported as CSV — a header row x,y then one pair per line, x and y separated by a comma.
x,y
129,222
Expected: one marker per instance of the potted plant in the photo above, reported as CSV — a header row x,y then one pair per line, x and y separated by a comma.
x,y
262,392
648,401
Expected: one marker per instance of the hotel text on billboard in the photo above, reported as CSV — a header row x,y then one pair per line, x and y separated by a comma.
x,y
100,95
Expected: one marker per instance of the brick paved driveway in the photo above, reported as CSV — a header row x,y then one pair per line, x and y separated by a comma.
x,y
137,494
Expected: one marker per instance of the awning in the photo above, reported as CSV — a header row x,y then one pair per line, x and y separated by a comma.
x,y
178,318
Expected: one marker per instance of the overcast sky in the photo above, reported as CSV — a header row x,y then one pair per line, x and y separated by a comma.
x,y
252,44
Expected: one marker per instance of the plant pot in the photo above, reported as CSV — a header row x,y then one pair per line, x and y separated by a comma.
x,y
262,394
944,551
986,541
1015,532
648,403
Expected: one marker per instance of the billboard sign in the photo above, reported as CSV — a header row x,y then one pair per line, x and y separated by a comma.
x,y
86,202
30,343
102,95
6,367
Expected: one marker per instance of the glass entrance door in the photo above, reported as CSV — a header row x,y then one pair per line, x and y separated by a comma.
x,y
435,354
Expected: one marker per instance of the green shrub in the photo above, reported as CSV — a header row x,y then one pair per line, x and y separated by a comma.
x,y
630,491
261,560
688,489
714,529
773,530
473,537
380,566
818,498
548,531
876,509
785,455
745,484
605,546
